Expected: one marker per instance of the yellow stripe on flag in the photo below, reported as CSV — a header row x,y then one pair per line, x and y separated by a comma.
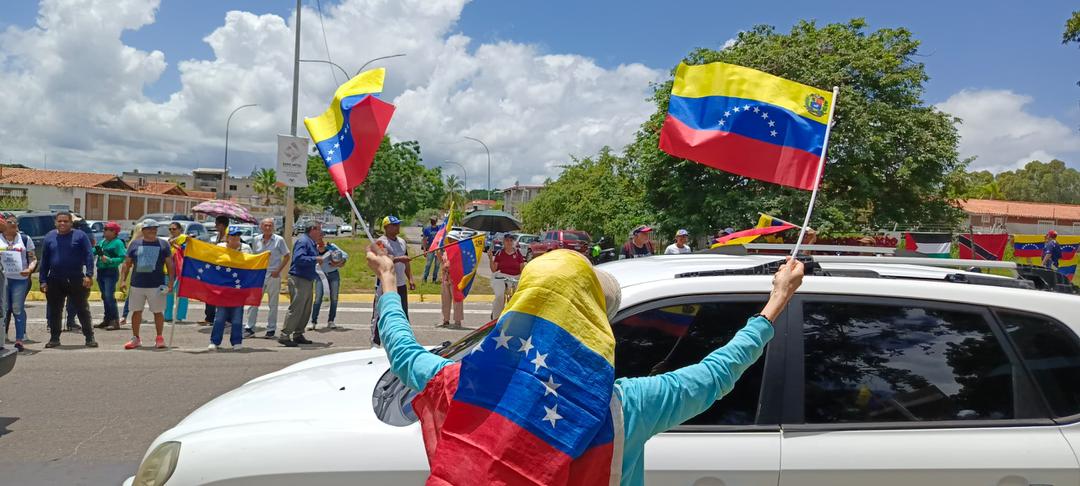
x,y
219,255
722,79
330,121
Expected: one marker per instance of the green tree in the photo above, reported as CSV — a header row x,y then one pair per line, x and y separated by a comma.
x,y
265,184
455,192
1051,182
599,195
398,184
890,154
1072,29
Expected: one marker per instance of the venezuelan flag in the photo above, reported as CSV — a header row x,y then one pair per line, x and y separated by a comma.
x,y
533,402
675,320
1069,255
747,122
746,236
464,260
440,237
348,133
1027,249
766,221
220,276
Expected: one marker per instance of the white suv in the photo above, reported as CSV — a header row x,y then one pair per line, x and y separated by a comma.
x,y
879,373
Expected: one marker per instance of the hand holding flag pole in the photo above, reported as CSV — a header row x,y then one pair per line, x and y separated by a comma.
x,y
820,169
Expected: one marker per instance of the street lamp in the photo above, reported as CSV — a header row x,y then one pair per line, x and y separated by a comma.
x,y
225,173
343,71
358,71
465,180
481,142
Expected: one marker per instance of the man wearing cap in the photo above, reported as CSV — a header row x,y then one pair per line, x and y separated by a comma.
x,y
67,272
110,253
395,247
302,276
279,261
432,259
679,247
1051,251
639,245
149,284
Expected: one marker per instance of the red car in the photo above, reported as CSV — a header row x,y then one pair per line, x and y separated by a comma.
x,y
553,240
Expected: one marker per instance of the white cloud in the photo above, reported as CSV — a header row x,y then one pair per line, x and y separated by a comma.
x,y
999,130
71,87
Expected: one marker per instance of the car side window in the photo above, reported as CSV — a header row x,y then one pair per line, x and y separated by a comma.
x,y
1052,355
903,363
664,339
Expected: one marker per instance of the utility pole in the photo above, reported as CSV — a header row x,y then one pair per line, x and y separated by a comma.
x,y
290,204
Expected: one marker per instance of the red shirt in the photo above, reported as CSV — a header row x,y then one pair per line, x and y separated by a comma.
x,y
509,263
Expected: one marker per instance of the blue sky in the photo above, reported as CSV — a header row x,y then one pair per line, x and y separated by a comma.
x,y
999,65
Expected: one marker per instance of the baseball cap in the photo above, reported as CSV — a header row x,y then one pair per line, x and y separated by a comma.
x,y
112,226
235,230
1051,233
729,230
682,232
150,223
390,220
642,229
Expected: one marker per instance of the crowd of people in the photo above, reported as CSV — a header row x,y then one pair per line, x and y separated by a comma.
x,y
146,274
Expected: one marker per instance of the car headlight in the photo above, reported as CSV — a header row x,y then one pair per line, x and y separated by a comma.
x,y
159,465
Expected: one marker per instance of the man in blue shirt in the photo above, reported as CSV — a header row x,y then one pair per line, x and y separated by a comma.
x,y
1051,251
429,237
67,272
302,276
150,257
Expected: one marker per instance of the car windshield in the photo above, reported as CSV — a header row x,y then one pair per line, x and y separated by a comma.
x,y
575,236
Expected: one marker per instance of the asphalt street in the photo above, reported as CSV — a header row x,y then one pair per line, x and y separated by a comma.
x,y
74,415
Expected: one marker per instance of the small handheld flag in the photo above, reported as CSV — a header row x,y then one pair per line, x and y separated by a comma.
x,y
464,260
219,276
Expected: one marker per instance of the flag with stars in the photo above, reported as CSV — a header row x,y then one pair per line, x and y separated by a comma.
x,y
464,259
220,276
533,402
1028,250
747,122
348,133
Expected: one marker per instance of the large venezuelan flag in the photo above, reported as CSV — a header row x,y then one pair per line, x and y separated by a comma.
x,y
222,277
533,402
348,133
1069,255
1027,249
464,260
748,122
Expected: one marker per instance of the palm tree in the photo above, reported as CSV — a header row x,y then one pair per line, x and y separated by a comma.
x,y
265,184
455,192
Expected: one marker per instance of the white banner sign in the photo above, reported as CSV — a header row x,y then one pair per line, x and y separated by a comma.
x,y
292,155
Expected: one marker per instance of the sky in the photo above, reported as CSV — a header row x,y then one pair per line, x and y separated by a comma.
x,y
114,85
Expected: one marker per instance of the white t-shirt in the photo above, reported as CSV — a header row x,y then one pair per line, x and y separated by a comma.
x,y
13,256
396,248
673,249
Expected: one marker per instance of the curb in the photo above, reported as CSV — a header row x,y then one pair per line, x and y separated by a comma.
x,y
37,296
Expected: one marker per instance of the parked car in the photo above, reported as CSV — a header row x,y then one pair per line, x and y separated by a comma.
x,y
460,233
36,224
248,232
522,242
191,228
97,230
165,217
330,229
553,240
877,373
345,229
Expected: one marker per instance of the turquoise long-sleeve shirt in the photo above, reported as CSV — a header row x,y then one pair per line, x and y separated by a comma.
x,y
651,404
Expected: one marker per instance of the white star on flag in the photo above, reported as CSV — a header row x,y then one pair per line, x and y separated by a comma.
x,y
773,133
746,107
539,361
503,339
727,114
200,270
736,109
756,109
550,386
236,275
721,123
237,285
764,115
552,415
336,145
772,123
217,267
526,345
478,348
330,152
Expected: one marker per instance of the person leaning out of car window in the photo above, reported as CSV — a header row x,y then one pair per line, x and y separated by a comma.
x,y
639,245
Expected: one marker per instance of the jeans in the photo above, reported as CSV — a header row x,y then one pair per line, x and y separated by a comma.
x,y
181,304
235,317
272,289
431,257
71,290
15,303
106,280
334,279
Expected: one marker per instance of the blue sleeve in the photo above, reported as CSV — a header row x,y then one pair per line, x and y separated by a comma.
x,y
88,254
409,361
654,404
46,256
305,252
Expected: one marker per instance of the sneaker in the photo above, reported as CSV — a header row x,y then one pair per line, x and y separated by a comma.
x,y
19,345
288,343
90,343
300,339
249,333
212,347
237,347
52,343
134,343
311,327
159,342
269,335
331,325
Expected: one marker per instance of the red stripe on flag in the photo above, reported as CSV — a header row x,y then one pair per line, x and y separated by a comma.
x,y
368,120
768,230
456,268
740,155
218,296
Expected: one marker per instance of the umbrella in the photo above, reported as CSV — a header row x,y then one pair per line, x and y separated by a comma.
x,y
221,207
491,220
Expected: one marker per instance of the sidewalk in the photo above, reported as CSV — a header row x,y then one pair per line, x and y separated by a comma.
x,y
36,296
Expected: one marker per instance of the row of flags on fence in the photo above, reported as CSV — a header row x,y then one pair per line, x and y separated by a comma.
x,y
1027,249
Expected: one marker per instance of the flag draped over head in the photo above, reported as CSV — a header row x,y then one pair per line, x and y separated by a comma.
x,y
1028,250
746,236
937,245
348,133
982,246
533,402
220,276
464,261
747,122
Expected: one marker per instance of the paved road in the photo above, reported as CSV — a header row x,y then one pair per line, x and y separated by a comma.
x,y
73,415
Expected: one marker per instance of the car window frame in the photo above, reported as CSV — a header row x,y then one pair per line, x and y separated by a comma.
x,y
793,414
1068,419
771,396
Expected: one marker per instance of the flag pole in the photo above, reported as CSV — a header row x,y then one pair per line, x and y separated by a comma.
x,y
820,169
367,231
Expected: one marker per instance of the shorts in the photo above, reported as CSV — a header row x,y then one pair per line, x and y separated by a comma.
x,y
152,297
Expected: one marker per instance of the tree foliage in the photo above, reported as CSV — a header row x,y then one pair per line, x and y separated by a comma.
x,y
265,184
397,184
1050,182
890,154
1072,29
599,195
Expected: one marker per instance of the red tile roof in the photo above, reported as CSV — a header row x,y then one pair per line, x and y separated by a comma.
x,y
39,177
163,188
1019,209
201,194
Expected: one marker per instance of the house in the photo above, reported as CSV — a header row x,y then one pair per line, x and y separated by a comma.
x,y
1015,217
95,196
201,180
514,197
479,205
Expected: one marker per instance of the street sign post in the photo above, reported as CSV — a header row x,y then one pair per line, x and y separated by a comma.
x,y
292,161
